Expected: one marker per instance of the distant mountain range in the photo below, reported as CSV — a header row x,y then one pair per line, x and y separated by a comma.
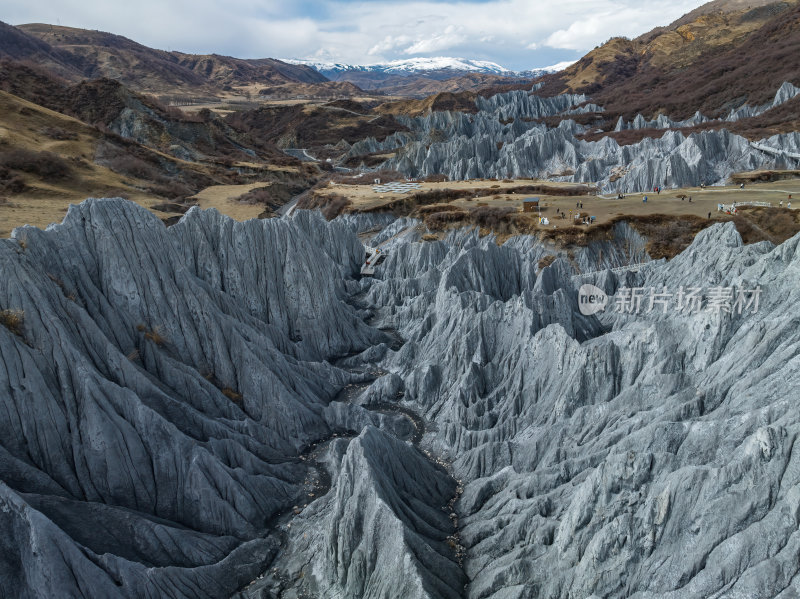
x,y
438,67
419,77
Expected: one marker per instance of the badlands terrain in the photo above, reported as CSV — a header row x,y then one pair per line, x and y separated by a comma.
x,y
205,394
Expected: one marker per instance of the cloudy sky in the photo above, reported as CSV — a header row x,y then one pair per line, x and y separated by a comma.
x,y
518,34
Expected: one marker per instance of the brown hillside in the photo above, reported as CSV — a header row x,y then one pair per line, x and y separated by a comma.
x,y
16,45
708,60
225,70
464,102
102,54
312,126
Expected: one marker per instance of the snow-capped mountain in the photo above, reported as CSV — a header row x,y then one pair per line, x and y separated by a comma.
x,y
410,66
421,66
555,68
420,77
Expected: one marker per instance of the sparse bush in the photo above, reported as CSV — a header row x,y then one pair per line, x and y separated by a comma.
x,y
232,395
546,261
260,195
437,178
13,321
154,334
335,207
46,165
174,190
130,166
10,183
58,133
492,218
440,220
331,205
432,208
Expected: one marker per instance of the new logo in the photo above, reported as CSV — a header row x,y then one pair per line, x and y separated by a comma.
x,y
591,299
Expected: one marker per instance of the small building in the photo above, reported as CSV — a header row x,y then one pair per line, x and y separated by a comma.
x,y
530,205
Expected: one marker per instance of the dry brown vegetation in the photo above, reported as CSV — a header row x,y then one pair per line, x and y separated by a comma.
x,y
757,223
234,396
154,334
307,126
13,320
48,166
667,234
331,205
764,176
546,261
463,102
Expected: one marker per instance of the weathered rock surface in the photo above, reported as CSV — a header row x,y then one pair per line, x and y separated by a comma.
x,y
505,139
271,436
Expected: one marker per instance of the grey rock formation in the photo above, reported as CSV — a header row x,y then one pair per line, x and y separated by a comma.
x,y
452,427
505,139
662,122
785,92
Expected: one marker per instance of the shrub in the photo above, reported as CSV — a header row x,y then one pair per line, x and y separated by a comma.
x,y
232,395
154,334
128,165
335,207
331,205
46,165
13,320
58,133
492,218
436,178
260,195
546,261
173,190
10,183
440,220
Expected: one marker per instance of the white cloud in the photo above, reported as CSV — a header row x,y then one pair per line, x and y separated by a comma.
x,y
388,44
449,38
574,37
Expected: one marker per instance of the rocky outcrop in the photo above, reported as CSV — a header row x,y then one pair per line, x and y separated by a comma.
x,y
661,122
785,92
505,139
